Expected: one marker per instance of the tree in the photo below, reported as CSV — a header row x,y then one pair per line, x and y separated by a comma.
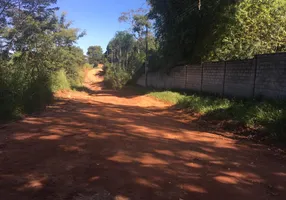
x,y
256,27
128,50
138,21
35,46
95,55
124,58
180,26
141,28
121,48
217,30
20,20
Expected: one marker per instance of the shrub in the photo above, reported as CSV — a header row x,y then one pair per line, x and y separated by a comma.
x,y
59,81
95,64
116,77
8,104
77,78
20,95
23,92
13,83
38,95
87,66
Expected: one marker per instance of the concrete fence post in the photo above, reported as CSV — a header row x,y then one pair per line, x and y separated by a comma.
x,y
146,79
254,76
202,76
186,76
224,73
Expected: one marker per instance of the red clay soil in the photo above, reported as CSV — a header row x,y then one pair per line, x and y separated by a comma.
x,y
101,144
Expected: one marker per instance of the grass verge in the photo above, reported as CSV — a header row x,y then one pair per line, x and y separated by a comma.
x,y
264,116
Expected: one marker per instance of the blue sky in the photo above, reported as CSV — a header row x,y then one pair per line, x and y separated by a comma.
x,y
98,17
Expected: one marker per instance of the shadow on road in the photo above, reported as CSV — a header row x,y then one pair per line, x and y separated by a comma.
x,y
87,147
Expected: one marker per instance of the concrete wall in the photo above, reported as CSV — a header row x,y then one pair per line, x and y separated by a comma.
x,y
178,74
213,75
239,78
271,76
265,75
141,81
193,77
152,80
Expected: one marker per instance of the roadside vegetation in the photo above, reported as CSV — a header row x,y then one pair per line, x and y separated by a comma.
x,y
196,31
126,52
38,56
171,33
116,77
268,117
95,55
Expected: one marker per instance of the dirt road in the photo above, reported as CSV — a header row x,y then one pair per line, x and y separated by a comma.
x,y
99,144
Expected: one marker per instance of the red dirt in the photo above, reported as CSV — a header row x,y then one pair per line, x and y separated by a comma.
x,y
101,144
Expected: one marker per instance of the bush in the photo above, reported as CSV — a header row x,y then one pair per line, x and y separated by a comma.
x,y
37,96
77,78
87,66
59,81
95,64
13,82
8,105
20,93
24,96
116,77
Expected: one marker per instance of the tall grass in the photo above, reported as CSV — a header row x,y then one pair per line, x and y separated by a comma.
x,y
269,116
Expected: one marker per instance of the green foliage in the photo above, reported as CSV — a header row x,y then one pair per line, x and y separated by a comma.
x,y
219,30
121,59
139,21
179,27
127,50
167,96
37,56
94,54
59,81
204,105
254,27
267,115
87,66
78,78
19,94
116,77
121,47
36,96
